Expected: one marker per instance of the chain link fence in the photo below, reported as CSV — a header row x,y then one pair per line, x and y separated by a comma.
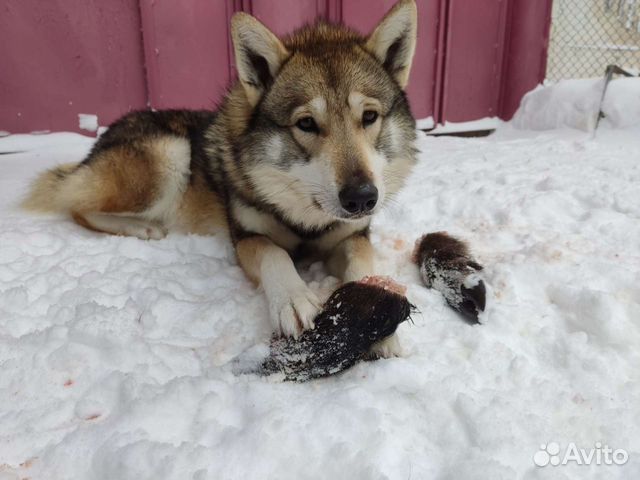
x,y
588,35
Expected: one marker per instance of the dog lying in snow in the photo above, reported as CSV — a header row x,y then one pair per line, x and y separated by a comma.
x,y
310,142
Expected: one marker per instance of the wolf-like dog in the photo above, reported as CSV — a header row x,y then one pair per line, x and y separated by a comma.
x,y
310,142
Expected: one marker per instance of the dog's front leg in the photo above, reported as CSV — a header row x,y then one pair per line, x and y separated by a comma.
x,y
292,305
352,260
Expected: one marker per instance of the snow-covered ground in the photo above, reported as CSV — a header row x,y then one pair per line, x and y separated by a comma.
x,y
115,352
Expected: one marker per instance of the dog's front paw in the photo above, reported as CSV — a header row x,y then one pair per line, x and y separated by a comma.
x,y
387,348
293,311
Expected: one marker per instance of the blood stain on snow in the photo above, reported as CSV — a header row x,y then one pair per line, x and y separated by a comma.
x,y
28,463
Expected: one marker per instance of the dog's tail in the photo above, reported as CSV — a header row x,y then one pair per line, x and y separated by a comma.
x,y
49,192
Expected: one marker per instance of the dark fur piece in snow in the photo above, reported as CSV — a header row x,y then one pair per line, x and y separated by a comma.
x,y
446,265
356,316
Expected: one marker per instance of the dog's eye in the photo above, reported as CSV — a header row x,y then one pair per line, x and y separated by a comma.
x,y
307,124
369,117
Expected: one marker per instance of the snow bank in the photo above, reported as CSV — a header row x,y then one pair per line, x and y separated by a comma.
x,y
116,353
575,104
621,104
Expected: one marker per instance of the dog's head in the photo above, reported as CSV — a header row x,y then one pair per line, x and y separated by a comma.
x,y
330,129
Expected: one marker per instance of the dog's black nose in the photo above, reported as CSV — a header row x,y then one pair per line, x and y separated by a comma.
x,y
361,198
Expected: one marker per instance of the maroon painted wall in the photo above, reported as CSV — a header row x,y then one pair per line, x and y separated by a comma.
x,y
185,50
526,47
474,58
63,57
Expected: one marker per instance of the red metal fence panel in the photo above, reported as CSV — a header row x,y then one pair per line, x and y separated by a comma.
x,y
283,16
186,54
58,59
526,46
474,58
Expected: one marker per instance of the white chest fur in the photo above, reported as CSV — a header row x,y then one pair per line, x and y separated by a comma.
x,y
253,220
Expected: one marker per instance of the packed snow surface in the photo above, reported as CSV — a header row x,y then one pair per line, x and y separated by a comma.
x,y
116,353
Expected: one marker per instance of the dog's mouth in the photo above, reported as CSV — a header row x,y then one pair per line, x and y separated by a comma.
x,y
356,216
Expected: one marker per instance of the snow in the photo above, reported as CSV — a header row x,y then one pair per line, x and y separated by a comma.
x,y
576,104
117,354
87,121
425,123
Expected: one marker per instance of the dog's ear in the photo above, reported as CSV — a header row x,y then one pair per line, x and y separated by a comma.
x,y
259,55
394,40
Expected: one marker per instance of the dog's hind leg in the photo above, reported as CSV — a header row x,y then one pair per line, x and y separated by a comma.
x,y
120,225
123,189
